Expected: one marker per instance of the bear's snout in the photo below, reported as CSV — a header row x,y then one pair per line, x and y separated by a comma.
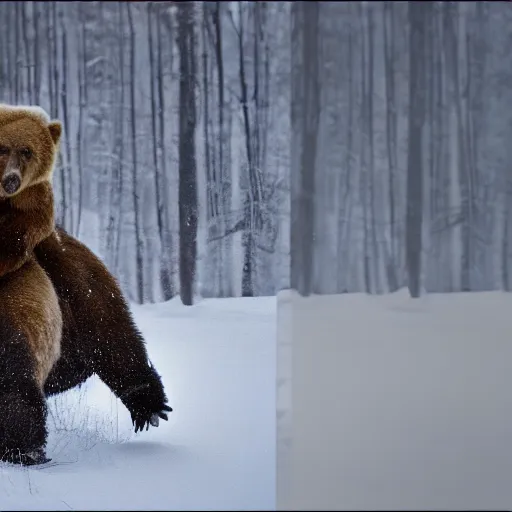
x,y
11,183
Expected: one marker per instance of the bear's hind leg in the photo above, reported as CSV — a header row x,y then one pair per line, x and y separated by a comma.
x,y
23,408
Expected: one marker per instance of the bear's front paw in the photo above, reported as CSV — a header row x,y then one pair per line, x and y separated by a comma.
x,y
144,418
147,403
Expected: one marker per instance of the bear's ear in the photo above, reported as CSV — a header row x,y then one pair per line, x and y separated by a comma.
x,y
55,128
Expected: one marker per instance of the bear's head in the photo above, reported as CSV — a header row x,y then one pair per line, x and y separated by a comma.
x,y
29,143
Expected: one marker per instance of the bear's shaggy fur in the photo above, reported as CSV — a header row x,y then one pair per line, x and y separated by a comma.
x,y
99,334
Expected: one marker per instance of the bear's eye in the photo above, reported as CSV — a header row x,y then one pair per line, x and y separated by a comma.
x,y
26,153
4,150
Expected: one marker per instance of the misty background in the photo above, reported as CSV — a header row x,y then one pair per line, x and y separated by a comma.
x,y
238,148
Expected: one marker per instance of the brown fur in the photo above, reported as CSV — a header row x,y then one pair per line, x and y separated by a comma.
x,y
99,334
26,217
29,302
22,129
28,146
30,316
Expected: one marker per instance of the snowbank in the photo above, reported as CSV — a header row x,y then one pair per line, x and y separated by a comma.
x,y
392,403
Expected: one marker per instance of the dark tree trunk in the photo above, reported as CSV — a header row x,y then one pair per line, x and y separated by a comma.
x,y
187,152
417,19
139,245
166,264
305,121
252,200
156,97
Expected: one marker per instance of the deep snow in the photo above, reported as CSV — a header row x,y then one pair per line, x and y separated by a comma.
x,y
395,403
217,361
402,404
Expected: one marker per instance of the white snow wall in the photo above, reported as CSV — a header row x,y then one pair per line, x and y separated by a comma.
x,y
391,403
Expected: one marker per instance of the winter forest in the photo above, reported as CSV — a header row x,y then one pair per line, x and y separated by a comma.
x,y
237,148
400,135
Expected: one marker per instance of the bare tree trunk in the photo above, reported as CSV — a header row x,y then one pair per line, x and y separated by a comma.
x,y
364,165
252,199
187,153
391,136
55,60
17,60
263,34
80,135
256,136
10,62
345,204
371,148
36,52
67,168
160,213
225,243
26,49
166,261
139,243
50,59
113,226
121,107
305,106
54,89
212,187
418,11
220,82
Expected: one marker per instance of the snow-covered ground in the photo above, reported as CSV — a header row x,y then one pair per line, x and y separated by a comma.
x,y
395,404
217,361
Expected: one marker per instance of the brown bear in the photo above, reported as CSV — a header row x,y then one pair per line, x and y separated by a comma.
x,y
98,335
30,315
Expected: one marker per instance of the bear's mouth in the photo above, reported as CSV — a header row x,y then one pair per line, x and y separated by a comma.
x,y
11,183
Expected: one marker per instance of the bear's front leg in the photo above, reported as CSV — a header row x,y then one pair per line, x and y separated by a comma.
x,y
133,379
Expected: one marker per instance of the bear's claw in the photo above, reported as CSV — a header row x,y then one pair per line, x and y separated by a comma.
x,y
145,420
